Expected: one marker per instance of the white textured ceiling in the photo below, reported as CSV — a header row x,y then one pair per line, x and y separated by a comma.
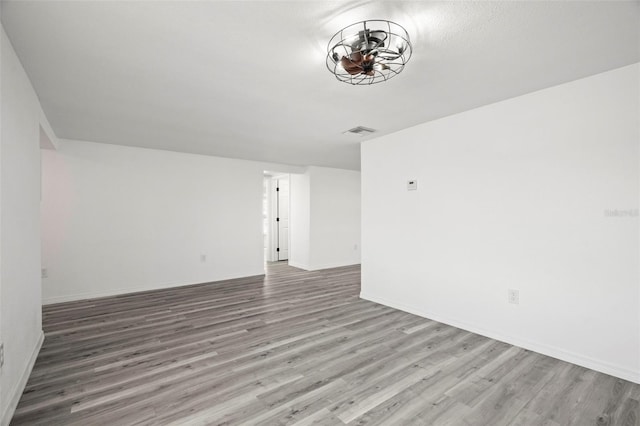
x,y
248,79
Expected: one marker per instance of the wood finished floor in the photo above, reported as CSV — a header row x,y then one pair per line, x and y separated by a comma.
x,y
296,348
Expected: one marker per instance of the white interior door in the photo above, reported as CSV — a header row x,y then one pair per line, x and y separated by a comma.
x,y
282,219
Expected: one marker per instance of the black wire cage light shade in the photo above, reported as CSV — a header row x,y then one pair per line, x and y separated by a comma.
x,y
368,52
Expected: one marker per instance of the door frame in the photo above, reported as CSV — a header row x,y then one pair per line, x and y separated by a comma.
x,y
272,213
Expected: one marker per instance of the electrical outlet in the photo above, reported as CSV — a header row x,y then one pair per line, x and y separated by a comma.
x,y
45,273
1,354
513,296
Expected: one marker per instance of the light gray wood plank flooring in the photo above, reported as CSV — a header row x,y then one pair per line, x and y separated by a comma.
x,y
297,348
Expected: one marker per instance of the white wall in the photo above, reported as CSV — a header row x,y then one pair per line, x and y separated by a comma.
x,y
299,220
120,219
5,410
325,218
20,308
515,195
335,217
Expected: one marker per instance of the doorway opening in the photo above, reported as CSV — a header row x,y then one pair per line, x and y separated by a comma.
x,y
275,212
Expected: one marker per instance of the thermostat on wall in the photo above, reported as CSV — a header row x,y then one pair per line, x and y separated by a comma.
x,y
412,185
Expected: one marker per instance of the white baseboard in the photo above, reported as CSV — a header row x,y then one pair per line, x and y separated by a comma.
x,y
307,267
552,351
128,290
16,392
331,265
299,265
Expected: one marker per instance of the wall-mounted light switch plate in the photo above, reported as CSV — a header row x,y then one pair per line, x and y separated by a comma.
x,y
412,185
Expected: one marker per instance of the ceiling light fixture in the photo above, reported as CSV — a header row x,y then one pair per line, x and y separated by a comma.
x,y
368,52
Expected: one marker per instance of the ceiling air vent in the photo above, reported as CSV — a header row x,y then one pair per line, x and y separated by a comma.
x,y
359,131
